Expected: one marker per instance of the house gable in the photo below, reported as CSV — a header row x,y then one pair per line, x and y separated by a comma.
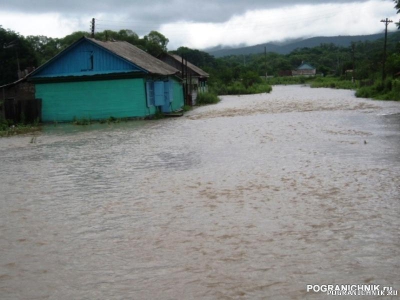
x,y
85,58
305,66
176,62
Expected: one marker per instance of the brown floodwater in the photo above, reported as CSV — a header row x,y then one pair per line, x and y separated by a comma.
x,y
252,198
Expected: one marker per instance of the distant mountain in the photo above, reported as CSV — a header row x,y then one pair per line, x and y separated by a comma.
x,y
290,45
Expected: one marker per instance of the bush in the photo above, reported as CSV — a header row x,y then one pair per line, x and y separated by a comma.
x,y
381,90
238,88
3,124
207,98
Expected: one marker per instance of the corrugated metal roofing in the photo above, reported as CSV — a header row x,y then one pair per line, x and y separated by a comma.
x,y
137,56
190,65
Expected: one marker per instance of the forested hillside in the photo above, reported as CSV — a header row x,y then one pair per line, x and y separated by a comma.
x,y
291,45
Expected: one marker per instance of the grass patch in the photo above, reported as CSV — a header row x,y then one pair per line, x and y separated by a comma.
x,y
187,108
333,83
83,121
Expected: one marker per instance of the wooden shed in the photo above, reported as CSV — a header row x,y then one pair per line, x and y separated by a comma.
x,y
194,78
97,80
18,102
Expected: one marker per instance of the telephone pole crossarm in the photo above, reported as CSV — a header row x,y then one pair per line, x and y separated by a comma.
x,y
92,27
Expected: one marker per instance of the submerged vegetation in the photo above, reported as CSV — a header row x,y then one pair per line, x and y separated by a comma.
x,y
88,121
8,128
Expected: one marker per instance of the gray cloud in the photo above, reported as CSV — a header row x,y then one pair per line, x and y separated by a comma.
x,y
155,12
200,23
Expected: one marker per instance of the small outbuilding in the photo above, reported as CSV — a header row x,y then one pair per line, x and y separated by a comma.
x,y
18,101
194,78
305,69
97,80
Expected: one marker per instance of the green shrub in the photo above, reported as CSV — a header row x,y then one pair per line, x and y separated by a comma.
x,y
333,83
207,98
381,90
238,88
186,108
286,80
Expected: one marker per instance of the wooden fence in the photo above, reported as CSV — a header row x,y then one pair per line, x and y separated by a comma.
x,y
23,111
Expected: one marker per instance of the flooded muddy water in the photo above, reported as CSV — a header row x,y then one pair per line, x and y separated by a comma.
x,y
252,198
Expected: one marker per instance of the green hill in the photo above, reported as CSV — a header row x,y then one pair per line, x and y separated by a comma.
x,y
290,45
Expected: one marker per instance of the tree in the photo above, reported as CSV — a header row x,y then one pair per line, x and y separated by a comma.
x,y
249,78
156,43
16,54
199,58
45,47
398,10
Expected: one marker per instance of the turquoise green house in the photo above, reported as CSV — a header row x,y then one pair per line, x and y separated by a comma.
x,y
97,80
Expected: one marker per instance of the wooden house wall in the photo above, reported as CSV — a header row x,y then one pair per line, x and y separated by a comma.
x,y
304,72
64,101
86,59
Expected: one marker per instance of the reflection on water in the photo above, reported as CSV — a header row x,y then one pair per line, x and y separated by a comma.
x,y
253,198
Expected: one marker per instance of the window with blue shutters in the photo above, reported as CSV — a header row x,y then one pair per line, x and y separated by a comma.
x,y
159,93
159,97
168,91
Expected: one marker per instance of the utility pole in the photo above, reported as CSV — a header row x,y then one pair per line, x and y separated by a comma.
x,y
265,61
387,21
353,47
92,27
14,44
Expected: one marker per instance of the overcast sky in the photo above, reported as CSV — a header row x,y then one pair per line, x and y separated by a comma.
x,y
201,24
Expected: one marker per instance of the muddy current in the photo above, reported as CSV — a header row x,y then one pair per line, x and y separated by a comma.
x,y
253,198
